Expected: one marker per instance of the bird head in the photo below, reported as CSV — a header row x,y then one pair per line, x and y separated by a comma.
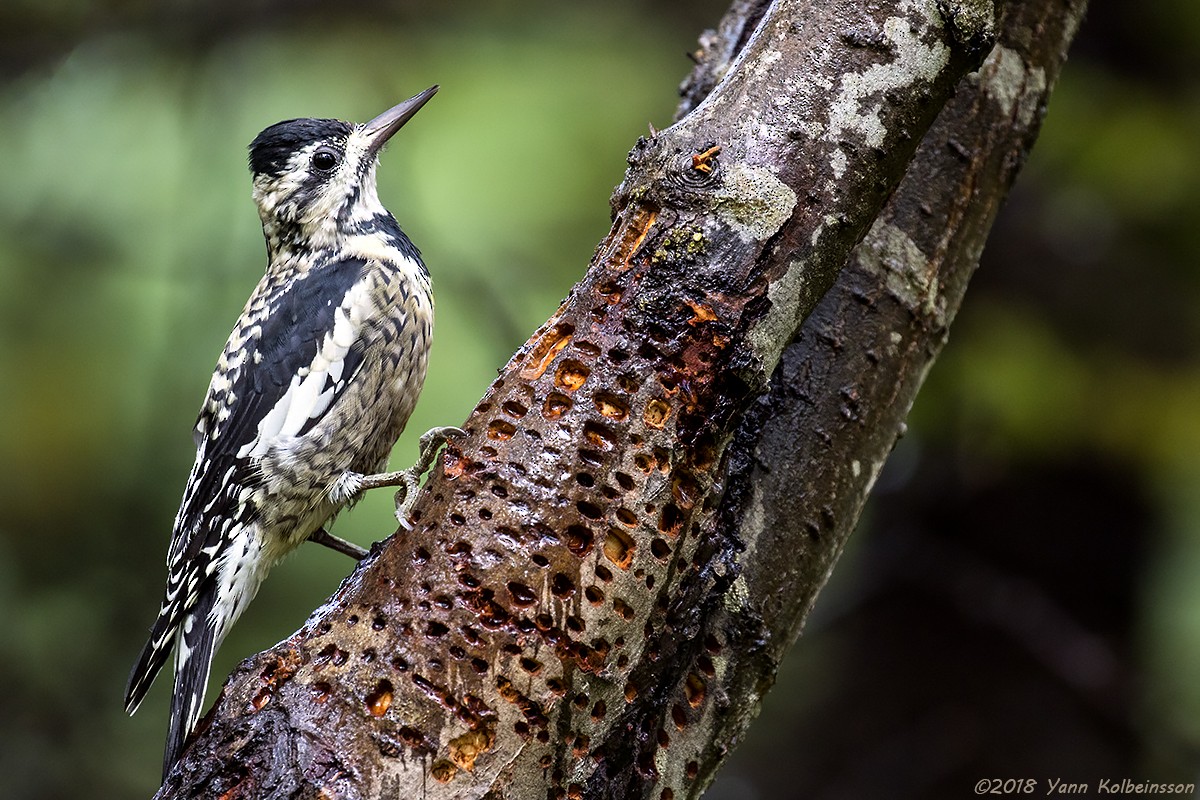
x,y
314,178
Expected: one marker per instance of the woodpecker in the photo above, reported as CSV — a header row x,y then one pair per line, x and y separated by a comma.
x,y
312,390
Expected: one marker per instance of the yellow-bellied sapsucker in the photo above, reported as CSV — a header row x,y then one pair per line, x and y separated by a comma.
x,y
313,389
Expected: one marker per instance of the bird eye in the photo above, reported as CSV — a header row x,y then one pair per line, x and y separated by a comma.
x,y
324,160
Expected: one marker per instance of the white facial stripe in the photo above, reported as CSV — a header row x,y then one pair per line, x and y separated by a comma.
x,y
276,196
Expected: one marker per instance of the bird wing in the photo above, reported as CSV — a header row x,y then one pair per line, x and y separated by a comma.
x,y
300,352
286,364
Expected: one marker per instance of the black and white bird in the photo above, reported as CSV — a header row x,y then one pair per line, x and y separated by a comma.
x,y
311,392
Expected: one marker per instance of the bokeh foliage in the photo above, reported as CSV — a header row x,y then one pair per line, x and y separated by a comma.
x,y
128,244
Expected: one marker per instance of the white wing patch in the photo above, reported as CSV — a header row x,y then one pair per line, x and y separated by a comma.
x,y
313,390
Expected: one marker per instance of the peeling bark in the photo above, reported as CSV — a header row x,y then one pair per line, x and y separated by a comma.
x,y
603,576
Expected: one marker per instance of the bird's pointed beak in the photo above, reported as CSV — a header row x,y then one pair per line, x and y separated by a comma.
x,y
380,129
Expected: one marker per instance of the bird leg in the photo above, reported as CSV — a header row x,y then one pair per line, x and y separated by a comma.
x,y
409,480
324,537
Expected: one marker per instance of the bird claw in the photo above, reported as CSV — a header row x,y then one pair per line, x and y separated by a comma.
x,y
430,442
409,480
406,495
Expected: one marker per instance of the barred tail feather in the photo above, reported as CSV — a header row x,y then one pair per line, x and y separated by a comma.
x,y
154,653
193,663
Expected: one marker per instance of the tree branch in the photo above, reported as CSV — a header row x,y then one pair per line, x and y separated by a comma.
x,y
806,455
599,584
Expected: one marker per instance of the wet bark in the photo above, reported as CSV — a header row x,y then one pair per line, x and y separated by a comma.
x,y
604,574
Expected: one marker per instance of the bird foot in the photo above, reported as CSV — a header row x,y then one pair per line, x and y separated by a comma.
x,y
409,480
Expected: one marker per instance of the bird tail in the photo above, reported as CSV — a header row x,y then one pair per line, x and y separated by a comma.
x,y
154,653
196,637
193,663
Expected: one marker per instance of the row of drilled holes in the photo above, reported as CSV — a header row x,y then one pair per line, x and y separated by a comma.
x,y
619,548
378,701
556,404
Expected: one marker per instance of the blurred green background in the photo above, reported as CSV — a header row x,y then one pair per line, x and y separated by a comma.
x,y
1029,562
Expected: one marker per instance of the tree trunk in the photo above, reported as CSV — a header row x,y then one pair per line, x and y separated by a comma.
x,y
603,576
